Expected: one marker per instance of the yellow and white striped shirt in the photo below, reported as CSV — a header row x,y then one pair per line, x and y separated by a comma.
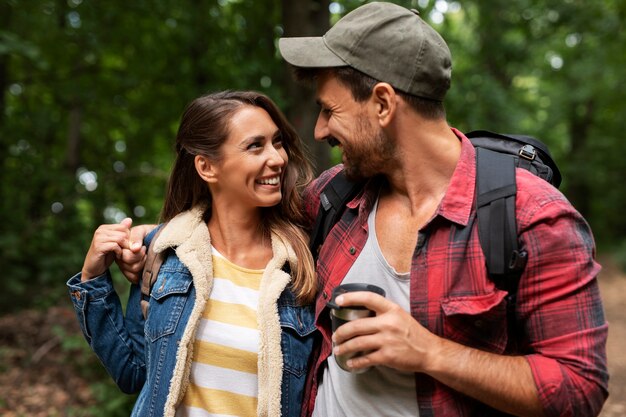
x,y
223,380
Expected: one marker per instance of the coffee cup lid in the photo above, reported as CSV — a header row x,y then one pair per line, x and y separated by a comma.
x,y
353,287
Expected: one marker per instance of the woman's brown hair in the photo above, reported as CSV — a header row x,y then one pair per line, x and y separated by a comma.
x,y
204,127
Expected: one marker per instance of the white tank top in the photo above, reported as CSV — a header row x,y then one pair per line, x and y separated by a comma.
x,y
380,391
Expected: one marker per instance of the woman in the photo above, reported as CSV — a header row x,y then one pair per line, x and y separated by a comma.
x,y
230,324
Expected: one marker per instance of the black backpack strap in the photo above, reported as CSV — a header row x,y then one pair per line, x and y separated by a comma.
x,y
150,270
333,199
497,227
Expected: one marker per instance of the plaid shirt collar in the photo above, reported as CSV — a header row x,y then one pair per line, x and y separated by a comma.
x,y
457,203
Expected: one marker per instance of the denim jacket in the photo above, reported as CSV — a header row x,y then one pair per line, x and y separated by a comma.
x,y
153,357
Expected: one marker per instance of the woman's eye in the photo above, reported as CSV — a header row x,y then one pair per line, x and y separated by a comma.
x,y
278,142
254,145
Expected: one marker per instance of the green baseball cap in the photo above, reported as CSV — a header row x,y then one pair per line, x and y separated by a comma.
x,y
385,41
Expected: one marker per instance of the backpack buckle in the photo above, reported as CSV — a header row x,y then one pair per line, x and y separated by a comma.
x,y
518,260
528,152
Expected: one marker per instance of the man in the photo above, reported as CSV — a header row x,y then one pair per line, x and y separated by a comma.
x,y
438,345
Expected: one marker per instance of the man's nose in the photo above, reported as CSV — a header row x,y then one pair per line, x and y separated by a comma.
x,y
321,128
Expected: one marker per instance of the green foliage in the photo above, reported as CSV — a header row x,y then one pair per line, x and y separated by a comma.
x,y
110,402
619,254
90,108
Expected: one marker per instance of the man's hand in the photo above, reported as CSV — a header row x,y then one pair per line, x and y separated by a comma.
x,y
392,338
132,258
109,242
395,339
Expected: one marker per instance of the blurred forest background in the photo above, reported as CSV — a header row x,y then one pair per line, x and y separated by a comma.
x,y
91,94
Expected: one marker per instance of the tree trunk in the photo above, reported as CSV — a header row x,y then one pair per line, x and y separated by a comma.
x,y
578,188
305,18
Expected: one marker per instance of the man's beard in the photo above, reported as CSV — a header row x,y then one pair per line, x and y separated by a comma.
x,y
369,153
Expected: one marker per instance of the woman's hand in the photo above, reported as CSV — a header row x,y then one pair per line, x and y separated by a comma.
x,y
133,259
109,240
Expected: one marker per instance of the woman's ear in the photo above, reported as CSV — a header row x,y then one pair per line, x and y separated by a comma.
x,y
384,97
205,168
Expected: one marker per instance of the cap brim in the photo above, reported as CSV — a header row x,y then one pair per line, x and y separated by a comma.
x,y
308,52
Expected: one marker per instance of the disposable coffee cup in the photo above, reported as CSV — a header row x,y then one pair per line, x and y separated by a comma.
x,y
341,315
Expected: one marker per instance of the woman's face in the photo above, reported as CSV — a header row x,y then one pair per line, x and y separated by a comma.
x,y
253,160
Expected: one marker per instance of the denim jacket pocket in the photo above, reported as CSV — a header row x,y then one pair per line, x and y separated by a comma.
x,y
298,333
478,321
167,301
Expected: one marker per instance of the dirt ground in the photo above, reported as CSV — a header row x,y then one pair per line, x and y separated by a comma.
x,y
45,370
613,289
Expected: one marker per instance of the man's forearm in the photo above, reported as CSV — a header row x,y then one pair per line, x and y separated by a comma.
x,y
502,382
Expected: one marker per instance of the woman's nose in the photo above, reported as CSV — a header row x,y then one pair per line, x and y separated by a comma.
x,y
276,157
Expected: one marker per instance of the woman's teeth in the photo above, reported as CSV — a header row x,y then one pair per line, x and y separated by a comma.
x,y
269,181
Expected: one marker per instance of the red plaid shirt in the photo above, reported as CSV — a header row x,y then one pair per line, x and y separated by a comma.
x,y
561,328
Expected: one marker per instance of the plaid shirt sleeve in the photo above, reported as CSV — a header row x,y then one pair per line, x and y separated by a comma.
x,y
559,302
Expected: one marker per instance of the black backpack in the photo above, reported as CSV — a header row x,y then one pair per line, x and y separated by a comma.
x,y
497,155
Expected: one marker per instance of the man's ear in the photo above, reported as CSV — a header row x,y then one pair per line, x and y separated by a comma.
x,y
205,168
384,97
